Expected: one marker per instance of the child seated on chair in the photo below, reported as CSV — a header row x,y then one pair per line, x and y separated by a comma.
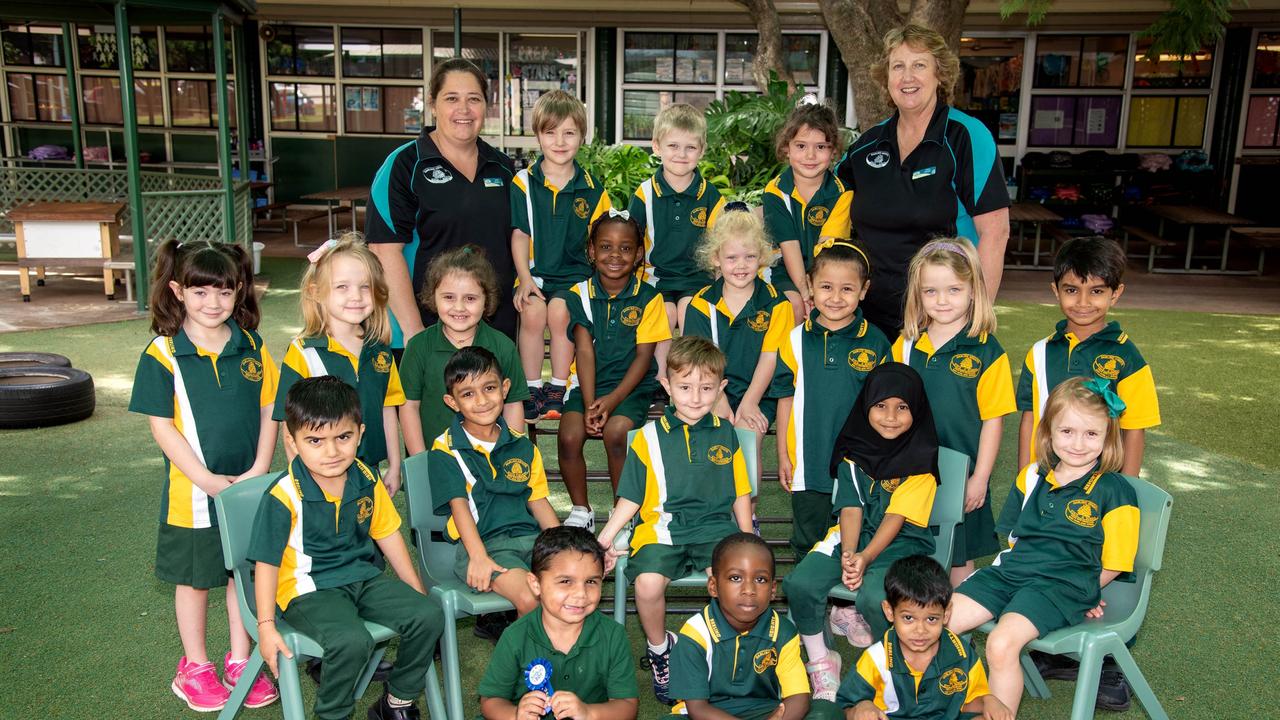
x,y
1073,528
585,656
313,542
918,668
687,478
489,479
738,657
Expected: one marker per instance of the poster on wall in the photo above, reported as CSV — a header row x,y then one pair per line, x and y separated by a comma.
x,y
353,101
372,96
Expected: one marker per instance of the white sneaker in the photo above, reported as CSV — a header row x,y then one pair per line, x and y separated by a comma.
x,y
849,623
583,517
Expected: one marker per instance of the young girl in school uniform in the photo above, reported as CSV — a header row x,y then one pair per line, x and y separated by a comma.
x,y
207,383
948,336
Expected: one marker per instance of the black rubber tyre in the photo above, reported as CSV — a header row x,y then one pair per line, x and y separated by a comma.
x,y
40,396
19,359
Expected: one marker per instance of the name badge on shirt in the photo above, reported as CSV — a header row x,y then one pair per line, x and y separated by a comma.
x,y
925,172
493,182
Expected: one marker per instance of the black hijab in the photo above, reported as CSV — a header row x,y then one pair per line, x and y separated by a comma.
x,y
915,452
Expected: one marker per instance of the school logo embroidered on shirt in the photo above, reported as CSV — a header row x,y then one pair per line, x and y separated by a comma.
x,y
953,681
890,484
698,217
966,365
631,316
516,470
436,175
862,359
364,510
1083,512
764,660
1108,367
581,208
382,362
878,159
817,215
251,369
760,322
719,455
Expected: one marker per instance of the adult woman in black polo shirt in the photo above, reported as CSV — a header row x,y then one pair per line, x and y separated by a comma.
x,y
443,190
929,170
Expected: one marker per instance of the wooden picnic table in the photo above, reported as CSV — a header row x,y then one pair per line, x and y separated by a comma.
x,y
1037,215
338,197
66,234
1191,217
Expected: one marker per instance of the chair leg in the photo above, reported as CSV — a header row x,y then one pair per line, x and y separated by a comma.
x,y
367,676
620,596
240,692
1090,672
1032,680
435,700
449,654
1141,689
290,687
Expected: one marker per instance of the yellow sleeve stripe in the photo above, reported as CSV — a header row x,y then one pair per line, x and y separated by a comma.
x,y
897,348
995,389
441,442
977,682
792,678
395,390
602,207
741,481
646,532
714,215
1120,538
781,320
692,633
537,477
294,361
653,322
1142,408
870,674
913,499
699,304
839,223
787,354
385,518
270,380
515,180
156,354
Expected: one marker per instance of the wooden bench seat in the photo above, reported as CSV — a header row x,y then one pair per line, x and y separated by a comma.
x,y
1154,242
1261,239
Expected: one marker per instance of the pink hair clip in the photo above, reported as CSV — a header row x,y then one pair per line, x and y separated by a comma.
x,y
315,255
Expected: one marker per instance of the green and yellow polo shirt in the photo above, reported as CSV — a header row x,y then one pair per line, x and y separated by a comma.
x,y
498,484
788,217
823,370
372,373
598,668
672,224
967,381
757,328
422,372
215,401
1108,354
617,323
953,679
1063,536
911,497
685,479
556,221
744,674
319,541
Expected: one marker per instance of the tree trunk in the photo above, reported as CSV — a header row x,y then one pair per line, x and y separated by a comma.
x,y
769,56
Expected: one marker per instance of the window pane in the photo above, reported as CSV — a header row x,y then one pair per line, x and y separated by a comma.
x,y
401,53
148,101
1260,127
538,64
283,110
52,91
314,50
640,106
1098,121
1102,61
802,54
1266,61
1172,71
649,57
317,107
1057,61
280,53
1081,60
482,50
187,49
1067,121
102,100
189,101
991,83
27,44
402,108
739,52
363,108
22,95
1188,130
696,59
1151,121
362,52
231,106
16,43
97,45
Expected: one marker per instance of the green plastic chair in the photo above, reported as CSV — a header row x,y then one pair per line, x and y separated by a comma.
x,y
435,561
947,513
747,441
1092,640
237,506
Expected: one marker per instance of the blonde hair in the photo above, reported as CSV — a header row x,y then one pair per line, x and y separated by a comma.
x,y
1072,392
742,226
693,352
958,255
554,107
919,38
680,116
315,288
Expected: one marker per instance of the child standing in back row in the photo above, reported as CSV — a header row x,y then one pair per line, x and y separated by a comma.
x,y
553,203
207,384
948,336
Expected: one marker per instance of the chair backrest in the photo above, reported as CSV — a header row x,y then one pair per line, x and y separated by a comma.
x,y
746,441
237,506
428,528
1128,597
948,503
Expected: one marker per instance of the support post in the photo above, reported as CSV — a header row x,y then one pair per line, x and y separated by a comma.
x,y
124,54
457,31
224,132
73,99
242,98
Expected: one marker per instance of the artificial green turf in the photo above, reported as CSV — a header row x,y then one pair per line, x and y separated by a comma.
x,y
86,631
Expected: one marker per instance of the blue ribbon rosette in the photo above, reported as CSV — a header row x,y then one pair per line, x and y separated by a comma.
x,y
537,676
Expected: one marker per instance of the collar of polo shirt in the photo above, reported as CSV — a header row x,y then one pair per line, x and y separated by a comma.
x,y
935,133
669,421
359,479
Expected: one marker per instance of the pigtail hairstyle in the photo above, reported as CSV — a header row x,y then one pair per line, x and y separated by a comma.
x,y
1073,392
469,259
200,264
959,255
315,288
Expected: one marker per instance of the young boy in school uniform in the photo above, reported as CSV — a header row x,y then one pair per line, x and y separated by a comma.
x,y
313,542
687,478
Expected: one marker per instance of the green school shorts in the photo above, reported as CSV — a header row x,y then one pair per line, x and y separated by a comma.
x,y
190,556
635,407
1000,595
670,561
509,552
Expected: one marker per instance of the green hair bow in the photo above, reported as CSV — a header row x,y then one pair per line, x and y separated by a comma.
x,y
1102,388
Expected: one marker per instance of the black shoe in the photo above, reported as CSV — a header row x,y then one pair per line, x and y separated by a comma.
x,y
313,670
1055,667
490,626
382,672
382,710
553,401
1113,690
533,406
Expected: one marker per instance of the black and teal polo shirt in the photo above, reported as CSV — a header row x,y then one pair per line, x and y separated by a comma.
x,y
1108,354
215,401
744,674
822,371
498,484
911,497
685,478
598,668
672,224
420,200
788,218
319,541
954,678
900,203
617,323
556,221
967,381
372,373
758,327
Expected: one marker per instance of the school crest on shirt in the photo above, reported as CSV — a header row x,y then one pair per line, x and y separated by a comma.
x,y
764,660
630,316
862,359
364,510
382,362
953,681
878,159
516,470
817,215
581,208
760,322
966,365
890,484
698,217
436,175
719,455
1083,512
1108,367
251,369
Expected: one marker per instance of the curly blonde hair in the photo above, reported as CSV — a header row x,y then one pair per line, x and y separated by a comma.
x,y
920,38
315,288
739,225
959,255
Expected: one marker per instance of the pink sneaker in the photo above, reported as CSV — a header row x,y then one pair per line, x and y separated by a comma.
x,y
847,621
262,694
824,676
198,685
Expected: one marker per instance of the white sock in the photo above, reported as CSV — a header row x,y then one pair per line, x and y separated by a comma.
x,y
659,649
396,702
534,383
814,646
557,382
